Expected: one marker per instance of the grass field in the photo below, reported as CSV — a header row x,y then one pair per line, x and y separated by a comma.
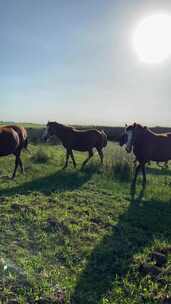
x,y
80,237
25,125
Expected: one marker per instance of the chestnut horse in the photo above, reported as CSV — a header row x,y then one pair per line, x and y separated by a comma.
x,y
79,140
147,146
12,140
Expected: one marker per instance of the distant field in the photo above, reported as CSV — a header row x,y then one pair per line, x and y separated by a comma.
x,y
79,236
26,125
113,133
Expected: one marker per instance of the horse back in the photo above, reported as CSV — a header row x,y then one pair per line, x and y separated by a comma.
x,y
84,140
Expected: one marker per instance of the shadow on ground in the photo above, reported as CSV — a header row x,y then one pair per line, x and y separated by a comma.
x,y
136,229
59,181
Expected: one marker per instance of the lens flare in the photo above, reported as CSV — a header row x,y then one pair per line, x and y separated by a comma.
x,y
152,38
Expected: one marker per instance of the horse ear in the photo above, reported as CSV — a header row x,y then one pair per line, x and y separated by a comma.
x,y
134,125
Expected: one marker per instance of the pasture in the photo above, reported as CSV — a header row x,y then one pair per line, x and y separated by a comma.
x,y
80,237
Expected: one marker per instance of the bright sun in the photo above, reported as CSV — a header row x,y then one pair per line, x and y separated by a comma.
x,y
152,38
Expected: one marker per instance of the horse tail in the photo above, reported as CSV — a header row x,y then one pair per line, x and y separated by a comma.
x,y
104,137
25,146
25,140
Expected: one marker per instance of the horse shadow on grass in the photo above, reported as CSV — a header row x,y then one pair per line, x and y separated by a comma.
x,y
58,182
137,228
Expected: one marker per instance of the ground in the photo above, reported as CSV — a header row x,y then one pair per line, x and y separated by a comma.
x,y
80,236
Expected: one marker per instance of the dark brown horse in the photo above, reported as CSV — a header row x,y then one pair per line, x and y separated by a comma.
x,y
147,146
12,140
79,140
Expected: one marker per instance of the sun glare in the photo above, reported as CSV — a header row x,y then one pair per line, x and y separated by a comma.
x,y
152,38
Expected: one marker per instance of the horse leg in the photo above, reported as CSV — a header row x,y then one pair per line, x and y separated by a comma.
x,y
73,159
87,159
144,174
67,158
17,157
21,165
135,176
100,154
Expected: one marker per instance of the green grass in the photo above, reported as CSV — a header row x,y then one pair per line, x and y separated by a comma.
x,y
80,235
24,124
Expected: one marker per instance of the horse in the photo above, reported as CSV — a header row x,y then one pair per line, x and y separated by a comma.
x,y
147,146
79,140
13,139
123,140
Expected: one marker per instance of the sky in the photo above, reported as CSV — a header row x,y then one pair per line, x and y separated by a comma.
x,y
73,61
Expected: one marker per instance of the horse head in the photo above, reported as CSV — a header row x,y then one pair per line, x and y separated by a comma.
x,y
49,130
131,133
128,137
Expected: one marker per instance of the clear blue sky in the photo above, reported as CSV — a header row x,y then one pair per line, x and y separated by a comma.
x,y
72,61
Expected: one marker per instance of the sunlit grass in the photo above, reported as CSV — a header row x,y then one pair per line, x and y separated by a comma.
x,y
79,235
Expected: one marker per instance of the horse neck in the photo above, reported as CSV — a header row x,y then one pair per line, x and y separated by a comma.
x,y
143,136
62,133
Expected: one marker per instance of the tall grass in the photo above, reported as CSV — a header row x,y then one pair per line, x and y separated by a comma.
x,y
40,156
118,163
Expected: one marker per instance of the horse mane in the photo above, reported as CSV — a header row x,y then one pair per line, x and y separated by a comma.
x,y
62,126
152,132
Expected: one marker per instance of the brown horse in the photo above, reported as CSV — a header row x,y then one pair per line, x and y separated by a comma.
x,y
79,140
147,146
12,140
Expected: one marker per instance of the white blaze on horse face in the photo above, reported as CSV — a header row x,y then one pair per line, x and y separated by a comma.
x,y
129,140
